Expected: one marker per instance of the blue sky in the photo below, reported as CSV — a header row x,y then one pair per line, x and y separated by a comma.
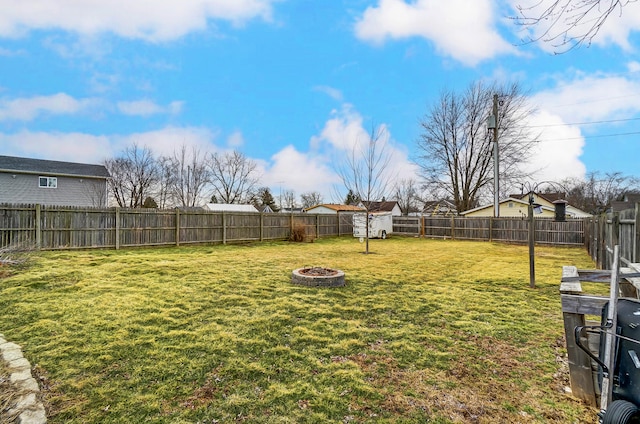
x,y
292,83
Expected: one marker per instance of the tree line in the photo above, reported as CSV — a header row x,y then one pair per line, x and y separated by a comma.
x,y
191,177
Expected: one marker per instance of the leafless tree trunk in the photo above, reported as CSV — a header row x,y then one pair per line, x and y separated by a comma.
x,y
455,151
311,198
567,24
233,176
364,172
166,180
190,176
133,175
289,199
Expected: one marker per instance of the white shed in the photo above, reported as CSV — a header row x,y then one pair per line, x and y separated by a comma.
x,y
230,207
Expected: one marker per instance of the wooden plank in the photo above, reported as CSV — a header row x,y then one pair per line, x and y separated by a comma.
x,y
585,305
580,373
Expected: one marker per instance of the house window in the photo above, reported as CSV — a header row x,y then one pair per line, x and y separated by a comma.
x,y
510,204
47,182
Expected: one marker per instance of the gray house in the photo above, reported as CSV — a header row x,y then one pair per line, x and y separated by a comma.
x,y
53,183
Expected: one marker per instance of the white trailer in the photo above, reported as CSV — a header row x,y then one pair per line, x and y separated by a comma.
x,y
380,224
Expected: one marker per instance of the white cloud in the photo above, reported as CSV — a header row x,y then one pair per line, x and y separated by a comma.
x,y
301,172
166,141
70,147
27,109
334,93
464,30
88,148
590,98
150,20
343,132
236,139
557,155
147,108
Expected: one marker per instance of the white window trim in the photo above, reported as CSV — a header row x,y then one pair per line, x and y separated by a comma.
x,y
52,182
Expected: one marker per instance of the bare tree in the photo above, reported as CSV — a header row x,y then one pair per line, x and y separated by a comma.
x,y
190,173
166,180
289,199
596,193
567,24
455,146
364,172
233,176
406,194
133,175
310,198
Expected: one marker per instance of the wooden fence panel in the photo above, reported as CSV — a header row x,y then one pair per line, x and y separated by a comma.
x,y
407,225
17,224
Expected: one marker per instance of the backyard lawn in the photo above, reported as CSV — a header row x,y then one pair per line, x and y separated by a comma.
x,y
424,331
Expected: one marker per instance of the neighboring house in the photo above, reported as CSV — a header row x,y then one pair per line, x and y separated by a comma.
x,y
265,209
384,206
52,183
230,207
518,206
439,208
628,201
332,209
291,210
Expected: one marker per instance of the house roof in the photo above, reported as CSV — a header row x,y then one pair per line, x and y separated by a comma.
x,y
230,207
337,208
508,199
40,166
386,206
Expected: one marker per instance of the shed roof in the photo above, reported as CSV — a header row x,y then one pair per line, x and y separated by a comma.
x,y
41,166
230,207
337,208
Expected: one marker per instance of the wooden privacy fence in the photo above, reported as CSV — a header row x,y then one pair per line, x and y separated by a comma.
x,y
73,228
511,230
618,228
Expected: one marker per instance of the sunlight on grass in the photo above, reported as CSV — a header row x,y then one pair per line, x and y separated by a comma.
x,y
424,330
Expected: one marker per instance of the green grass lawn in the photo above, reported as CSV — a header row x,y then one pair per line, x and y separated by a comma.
x,y
424,331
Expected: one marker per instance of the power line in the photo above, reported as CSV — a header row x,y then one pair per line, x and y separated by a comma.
x,y
583,123
593,136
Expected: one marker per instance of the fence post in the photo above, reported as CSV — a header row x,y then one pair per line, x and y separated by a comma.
x,y
453,229
224,228
490,228
38,227
177,227
317,226
117,228
636,232
338,221
421,224
580,373
261,226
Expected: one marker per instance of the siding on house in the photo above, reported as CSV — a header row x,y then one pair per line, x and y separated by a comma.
x,y
70,191
78,184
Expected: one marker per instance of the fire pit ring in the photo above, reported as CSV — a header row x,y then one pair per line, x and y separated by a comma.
x,y
318,277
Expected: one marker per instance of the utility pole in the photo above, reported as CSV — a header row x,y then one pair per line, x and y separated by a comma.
x,y
492,124
496,161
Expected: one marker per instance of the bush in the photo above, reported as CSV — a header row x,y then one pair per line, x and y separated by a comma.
x,y
298,232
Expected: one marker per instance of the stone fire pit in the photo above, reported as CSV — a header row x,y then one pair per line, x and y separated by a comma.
x,y
318,277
